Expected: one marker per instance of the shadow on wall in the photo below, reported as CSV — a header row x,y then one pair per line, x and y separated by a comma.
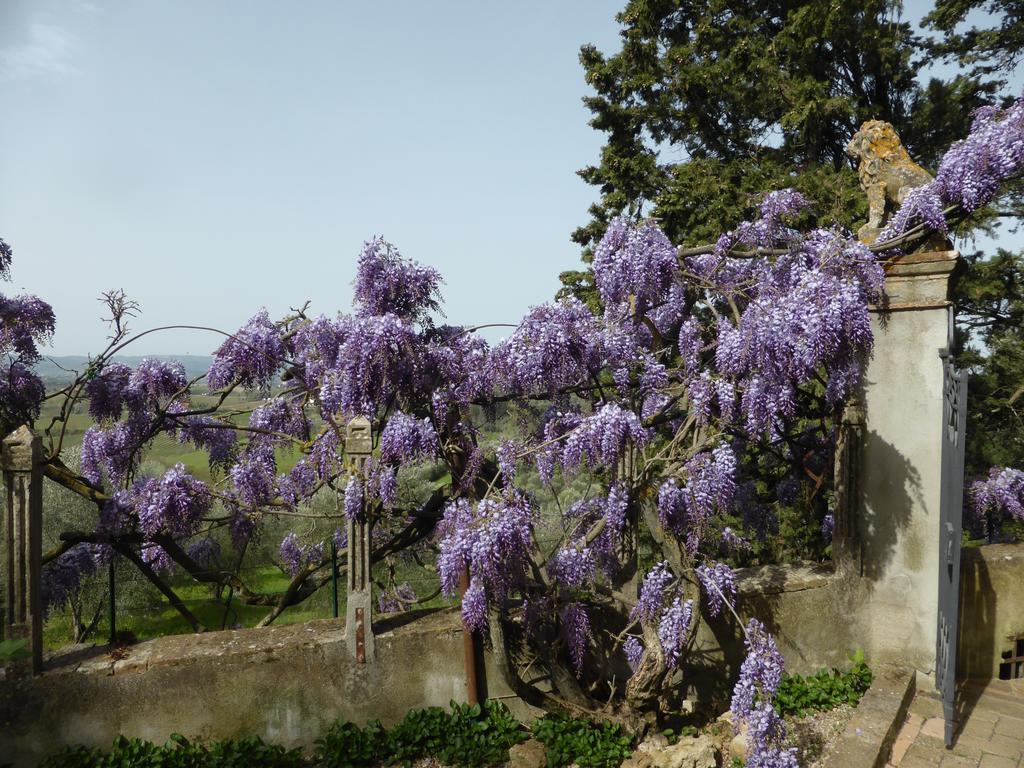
x,y
706,662
898,484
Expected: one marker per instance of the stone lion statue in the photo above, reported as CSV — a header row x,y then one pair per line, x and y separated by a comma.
x,y
886,173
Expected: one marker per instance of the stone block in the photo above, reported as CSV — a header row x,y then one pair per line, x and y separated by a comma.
x,y
529,754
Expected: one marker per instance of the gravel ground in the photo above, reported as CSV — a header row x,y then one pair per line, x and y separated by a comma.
x,y
817,733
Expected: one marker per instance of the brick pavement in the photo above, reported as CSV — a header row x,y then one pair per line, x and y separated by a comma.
x,y
990,732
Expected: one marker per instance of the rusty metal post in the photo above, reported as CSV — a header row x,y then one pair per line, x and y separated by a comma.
x,y
359,609
469,648
22,540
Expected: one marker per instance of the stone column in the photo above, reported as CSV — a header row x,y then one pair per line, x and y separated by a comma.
x,y
359,605
22,540
897,521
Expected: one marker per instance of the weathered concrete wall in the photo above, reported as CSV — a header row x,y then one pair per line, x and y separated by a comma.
x,y
991,607
900,481
806,608
285,684
895,614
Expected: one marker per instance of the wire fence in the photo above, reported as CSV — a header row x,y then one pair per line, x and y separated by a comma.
x,y
120,605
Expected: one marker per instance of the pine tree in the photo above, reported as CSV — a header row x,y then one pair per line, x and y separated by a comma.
x,y
711,103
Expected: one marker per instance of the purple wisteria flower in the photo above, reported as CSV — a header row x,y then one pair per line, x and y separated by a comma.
x,y
474,606
25,322
601,438
653,592
993,499
6,254
279,414
760,676
217,438
353,498
296,555
340,538
674,629
298,484
634,262
251,357
157,558
1001,492
574,565
204,552
493,539
384,482
114,450
106,391
507,455
174,503
153,381
557,424
769,228
374,361
21,394
719,583
761,671
613,509
254,476
555,345
387,283
970,173
406,438
972,170
397,599
634,650
672,507
576,625
710,488
732,542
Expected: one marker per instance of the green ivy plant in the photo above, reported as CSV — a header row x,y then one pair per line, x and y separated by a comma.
x,y
471,736
467,736
585,743
346,745
799,695
179,752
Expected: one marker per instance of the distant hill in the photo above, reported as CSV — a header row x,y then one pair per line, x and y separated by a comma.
x,y
59,370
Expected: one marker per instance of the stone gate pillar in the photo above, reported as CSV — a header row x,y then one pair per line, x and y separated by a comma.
x,y
21,540
896,547
359,597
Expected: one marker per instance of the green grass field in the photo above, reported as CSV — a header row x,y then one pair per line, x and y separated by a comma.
x,y
144,612
165,451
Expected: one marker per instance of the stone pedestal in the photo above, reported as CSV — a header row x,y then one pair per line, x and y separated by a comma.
x,y
896,550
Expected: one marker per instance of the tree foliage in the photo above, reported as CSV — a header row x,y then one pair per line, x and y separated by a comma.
x,y
690,142
709,103
689,401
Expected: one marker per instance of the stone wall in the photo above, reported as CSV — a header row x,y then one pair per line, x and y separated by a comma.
x,y
991,607
288,683
285,684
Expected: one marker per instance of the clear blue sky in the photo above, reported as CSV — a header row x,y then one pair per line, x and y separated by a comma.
x,y
211,158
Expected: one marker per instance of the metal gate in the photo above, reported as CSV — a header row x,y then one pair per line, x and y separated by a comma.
x,y
954,417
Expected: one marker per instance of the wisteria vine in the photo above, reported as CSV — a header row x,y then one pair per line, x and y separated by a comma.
x,y
657,401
